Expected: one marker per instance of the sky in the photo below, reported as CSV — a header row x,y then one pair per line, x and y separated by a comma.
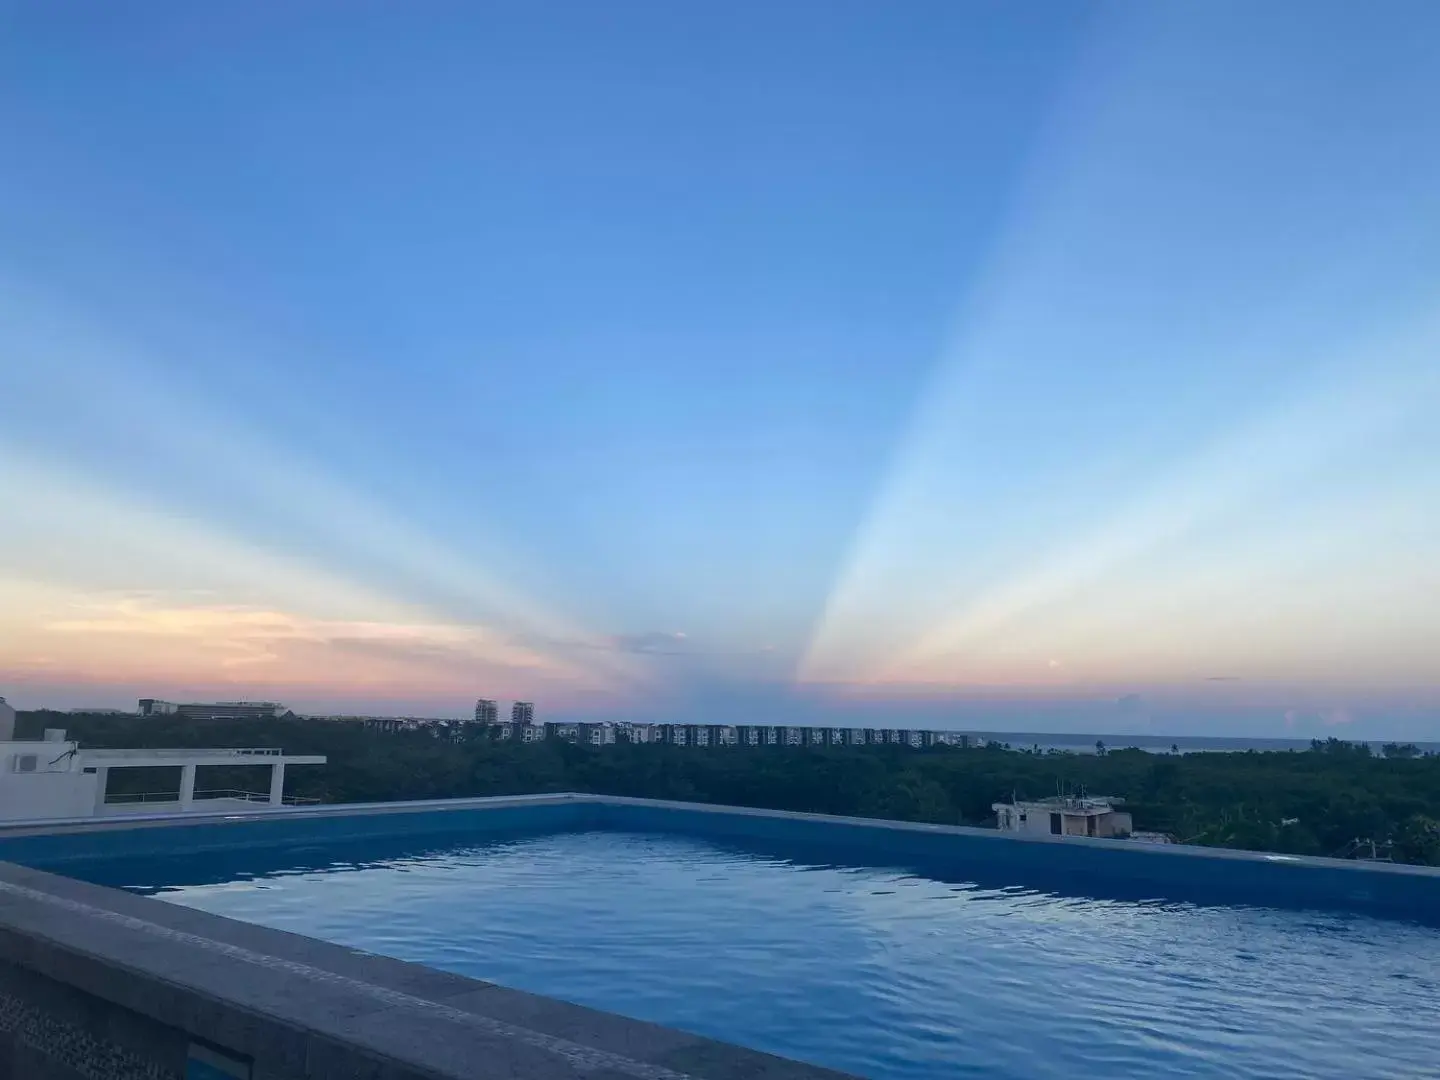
x,y
1049,366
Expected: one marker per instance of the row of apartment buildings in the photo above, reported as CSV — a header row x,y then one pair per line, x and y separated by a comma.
x,y
604,733
521,727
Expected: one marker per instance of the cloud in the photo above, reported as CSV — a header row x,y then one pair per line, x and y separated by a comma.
x,y
168,641
651,641
372,554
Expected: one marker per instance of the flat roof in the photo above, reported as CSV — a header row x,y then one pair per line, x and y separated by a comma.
x,y
132,758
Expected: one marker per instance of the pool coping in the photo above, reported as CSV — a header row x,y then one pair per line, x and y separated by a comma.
x,y
324,810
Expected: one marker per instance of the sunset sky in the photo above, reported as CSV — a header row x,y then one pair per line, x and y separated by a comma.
x,y
1040,366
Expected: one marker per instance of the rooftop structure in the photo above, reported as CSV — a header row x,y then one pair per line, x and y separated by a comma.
x,y
54,777
1065,815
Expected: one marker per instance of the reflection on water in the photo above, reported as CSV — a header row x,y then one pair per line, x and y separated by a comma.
x,y
897,973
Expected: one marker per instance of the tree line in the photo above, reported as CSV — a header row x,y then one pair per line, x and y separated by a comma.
x,y
1336,799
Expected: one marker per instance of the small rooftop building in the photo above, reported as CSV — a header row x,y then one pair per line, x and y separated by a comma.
x,y
1064,815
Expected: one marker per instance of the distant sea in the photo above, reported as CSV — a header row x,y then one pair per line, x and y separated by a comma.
x,y
1080,743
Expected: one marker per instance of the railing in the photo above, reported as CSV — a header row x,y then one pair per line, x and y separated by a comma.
x,y
252,796
202,796
142,796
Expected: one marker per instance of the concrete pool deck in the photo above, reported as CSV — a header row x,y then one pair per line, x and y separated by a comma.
x,y
102,983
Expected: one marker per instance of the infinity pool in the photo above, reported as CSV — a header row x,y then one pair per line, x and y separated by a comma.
x,y
880,972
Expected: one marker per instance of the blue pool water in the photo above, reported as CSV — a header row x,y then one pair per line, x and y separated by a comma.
x,y
881,972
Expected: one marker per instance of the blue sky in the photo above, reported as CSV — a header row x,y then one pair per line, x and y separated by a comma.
x,y
979,363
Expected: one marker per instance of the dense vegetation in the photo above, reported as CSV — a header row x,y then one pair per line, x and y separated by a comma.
x,y
1318,802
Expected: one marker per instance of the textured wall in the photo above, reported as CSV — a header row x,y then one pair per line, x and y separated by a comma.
x,y
49,1031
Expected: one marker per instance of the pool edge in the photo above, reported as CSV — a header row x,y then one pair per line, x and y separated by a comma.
x,y
93,978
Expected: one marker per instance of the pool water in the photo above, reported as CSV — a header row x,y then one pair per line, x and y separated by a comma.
x,y
877,972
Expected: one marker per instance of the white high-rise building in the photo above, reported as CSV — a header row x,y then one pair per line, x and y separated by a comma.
x,y
522,712
486,711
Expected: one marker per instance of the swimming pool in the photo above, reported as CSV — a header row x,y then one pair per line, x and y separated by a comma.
x,y
929,961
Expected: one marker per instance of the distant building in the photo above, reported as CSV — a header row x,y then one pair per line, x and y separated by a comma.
x,y
600,734
7,721
437,726
1065,815
596,733
217,710
486,711
522,712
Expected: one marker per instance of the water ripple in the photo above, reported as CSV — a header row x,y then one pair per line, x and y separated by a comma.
x,y
855,968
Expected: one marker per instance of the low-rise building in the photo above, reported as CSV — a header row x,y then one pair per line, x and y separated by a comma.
x,y
595,734
1065,815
